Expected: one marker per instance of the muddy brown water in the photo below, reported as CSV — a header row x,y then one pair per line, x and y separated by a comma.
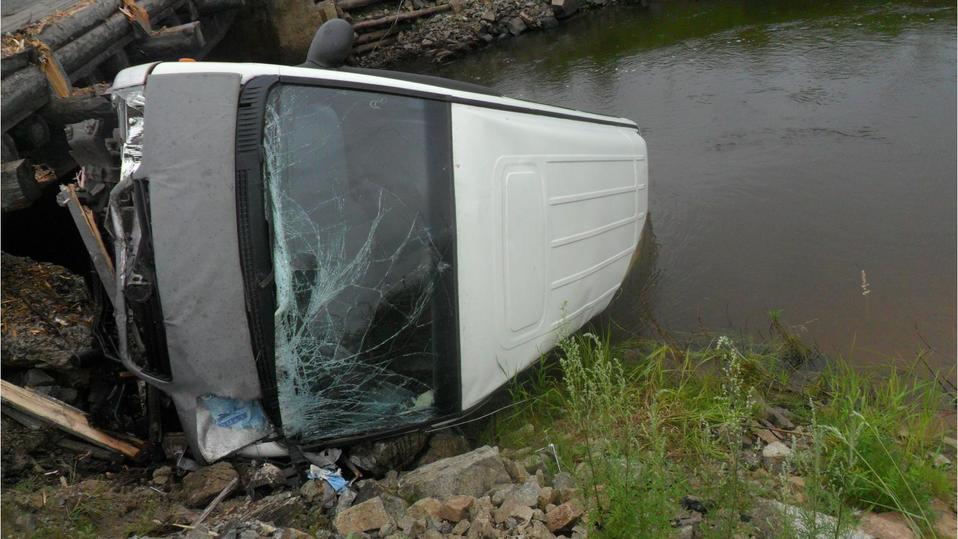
x,y
802,159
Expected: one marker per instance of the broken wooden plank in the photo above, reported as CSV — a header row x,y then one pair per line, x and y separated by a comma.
x,y
64,416
383,21
94,451
90,234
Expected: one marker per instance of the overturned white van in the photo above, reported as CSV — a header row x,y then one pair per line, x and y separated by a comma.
x,y
313,256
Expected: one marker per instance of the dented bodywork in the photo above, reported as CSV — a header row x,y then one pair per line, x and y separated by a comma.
x,y
307,256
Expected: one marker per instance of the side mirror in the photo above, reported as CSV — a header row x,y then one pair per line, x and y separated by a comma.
x,y
331,45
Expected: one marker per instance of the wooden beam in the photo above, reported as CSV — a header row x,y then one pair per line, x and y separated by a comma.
x,y
64,416
383,21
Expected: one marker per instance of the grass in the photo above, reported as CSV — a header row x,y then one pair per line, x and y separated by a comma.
x,y
642,433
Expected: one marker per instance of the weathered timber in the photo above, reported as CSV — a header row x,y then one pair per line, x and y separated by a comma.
x,y
347,5
14,62
409,15
170,42
366,47
69,110
64,416
375,35
27,90
18,185
212,6
63,29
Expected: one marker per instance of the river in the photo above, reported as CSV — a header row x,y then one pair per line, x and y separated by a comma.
x,y
802,160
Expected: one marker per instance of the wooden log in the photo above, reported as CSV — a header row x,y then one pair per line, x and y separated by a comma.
x,y
347,5
64,416
70,110
363,49
376,35
212,6
63,29
409,15
18,185
13,63
27,90
171,42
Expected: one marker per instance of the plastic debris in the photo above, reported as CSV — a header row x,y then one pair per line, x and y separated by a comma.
x,y
334,478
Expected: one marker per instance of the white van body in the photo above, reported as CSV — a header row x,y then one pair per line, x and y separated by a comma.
x,y
549,207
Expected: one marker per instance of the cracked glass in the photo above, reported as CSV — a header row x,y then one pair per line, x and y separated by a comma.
x,y
360,218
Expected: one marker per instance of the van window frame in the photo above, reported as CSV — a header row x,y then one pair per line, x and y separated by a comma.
x,y
256,250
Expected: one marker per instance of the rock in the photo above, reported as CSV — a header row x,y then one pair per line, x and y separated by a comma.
x,y
563,517
395,506
512,508
201,486
461,527
318,491
515,471
548,21
432,534
37,378
471,474
162,475
940,461
563,480
526,494
547,495
946,523
366,516
345,499
779,417
443,445
766,436
889,525
489,15
268,475
412,527
384,455
425,509
767,516
456,508
516,26
774,456
291,533
280,509
564,8
566,494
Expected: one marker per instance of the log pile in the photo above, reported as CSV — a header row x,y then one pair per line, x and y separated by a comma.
x,y
55,48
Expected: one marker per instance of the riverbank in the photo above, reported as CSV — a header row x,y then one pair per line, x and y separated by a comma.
x,y
641,439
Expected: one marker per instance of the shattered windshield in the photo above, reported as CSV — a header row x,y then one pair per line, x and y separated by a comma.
x,y
360,210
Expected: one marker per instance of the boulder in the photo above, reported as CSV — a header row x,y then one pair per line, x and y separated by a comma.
x,y
201,486
564,516
526,494
546,496
470,474
363,517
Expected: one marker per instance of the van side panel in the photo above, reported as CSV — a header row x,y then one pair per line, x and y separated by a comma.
x,y
548,214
